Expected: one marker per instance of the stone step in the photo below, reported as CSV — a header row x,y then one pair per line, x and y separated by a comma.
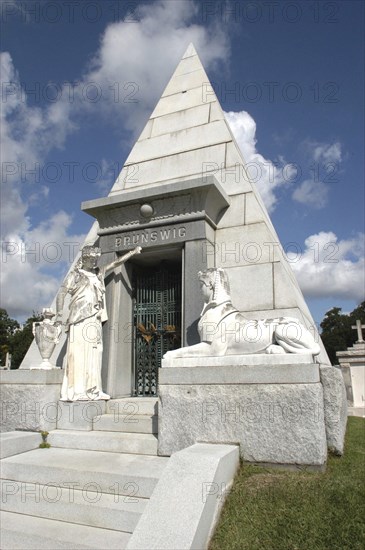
x,y
84,507
114,473
133,405
31,533
112,442
13,443
138,423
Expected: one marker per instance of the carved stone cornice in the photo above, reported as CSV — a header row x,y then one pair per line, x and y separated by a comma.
x,y
180,201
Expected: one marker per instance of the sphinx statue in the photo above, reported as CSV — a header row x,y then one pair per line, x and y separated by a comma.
x,y
223,330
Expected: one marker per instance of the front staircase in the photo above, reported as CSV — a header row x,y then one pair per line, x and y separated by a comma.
x,y
129,425
90,488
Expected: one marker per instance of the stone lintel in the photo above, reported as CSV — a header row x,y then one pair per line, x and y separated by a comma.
x,y
170,234
241,374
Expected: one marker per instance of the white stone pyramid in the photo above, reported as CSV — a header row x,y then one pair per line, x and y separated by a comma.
x,y
187,137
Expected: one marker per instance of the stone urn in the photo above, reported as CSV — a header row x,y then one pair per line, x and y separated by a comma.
x,y
46,335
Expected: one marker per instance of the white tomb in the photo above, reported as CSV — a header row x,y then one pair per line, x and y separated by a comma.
x,y
352,362
185,197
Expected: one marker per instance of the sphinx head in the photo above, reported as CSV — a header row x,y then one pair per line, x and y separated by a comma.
x,y
215,285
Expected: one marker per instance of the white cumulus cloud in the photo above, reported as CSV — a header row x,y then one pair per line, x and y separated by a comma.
x,y
134,62
325,159
31,262
28,250
268,175
331,267
312,193
327,152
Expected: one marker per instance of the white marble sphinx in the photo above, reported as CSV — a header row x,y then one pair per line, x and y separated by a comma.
x,y
87,313
225,331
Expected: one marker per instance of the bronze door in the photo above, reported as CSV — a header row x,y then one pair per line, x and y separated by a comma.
x,y
157,322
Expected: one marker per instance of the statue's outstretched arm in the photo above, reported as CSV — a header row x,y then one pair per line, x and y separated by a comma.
x,y
122,259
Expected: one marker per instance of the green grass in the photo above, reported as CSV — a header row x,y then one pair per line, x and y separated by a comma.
x,y
271,509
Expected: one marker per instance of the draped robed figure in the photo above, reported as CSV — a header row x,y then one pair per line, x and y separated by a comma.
x,y
87,313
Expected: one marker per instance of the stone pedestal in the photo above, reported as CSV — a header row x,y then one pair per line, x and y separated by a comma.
x,y
30,399
335,407
352,363
273,407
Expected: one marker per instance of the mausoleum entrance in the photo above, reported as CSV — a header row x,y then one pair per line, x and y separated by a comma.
x,y
154,300
157,321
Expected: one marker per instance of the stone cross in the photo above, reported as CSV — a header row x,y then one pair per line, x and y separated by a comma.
x,y
359,328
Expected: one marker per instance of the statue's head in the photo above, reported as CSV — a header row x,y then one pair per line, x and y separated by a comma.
x,y
217,280
90,250
90,255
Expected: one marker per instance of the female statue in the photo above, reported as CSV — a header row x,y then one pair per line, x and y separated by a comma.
x,y
87,312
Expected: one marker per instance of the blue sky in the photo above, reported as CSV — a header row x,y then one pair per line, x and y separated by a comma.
x,y
80,79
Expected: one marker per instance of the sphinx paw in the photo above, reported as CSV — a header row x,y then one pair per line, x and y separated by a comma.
x,y
274,349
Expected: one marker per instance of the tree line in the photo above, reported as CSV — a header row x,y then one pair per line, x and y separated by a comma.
x,y
14,338
337,334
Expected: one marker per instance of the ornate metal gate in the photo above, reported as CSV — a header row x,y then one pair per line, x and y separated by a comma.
x,y
157,322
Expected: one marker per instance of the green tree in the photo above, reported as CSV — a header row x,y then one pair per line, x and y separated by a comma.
x,y
337,334
8,327
358,313
21,340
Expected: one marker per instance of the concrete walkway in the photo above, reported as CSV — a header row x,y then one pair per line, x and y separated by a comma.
x,y
89,489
